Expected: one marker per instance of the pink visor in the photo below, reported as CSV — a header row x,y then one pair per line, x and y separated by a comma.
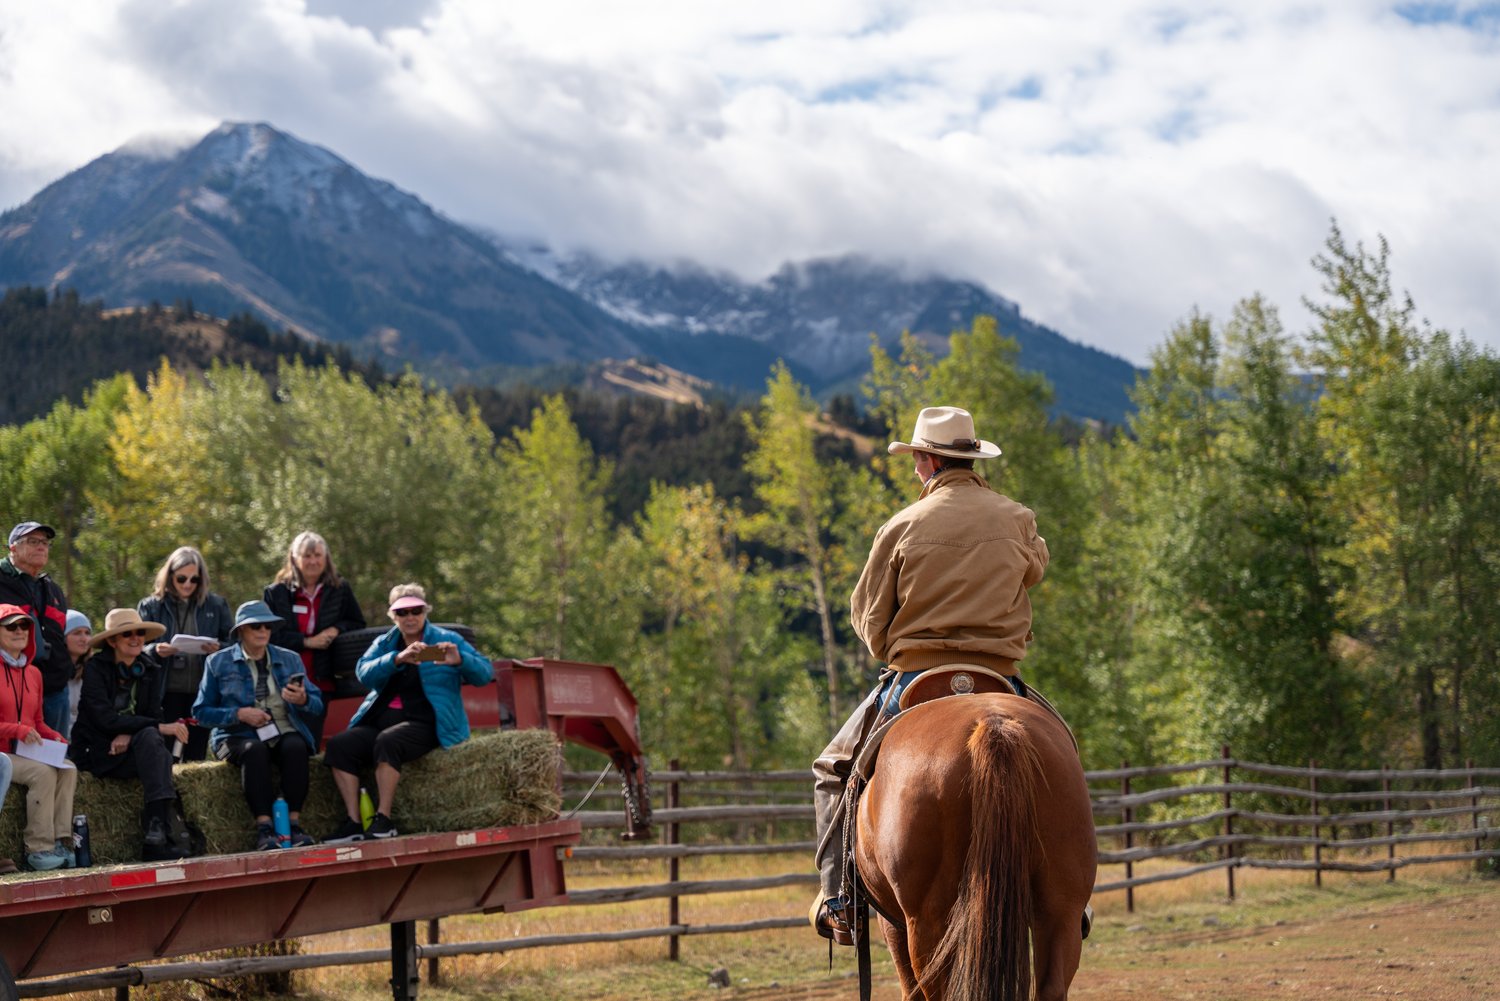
x,y
408,601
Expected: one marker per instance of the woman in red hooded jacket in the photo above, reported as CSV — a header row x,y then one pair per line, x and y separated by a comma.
x,y
49,789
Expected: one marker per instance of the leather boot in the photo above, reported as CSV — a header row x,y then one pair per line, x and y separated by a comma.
x,y
833,921
158,845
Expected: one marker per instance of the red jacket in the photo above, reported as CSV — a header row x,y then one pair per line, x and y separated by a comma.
x,y
21,694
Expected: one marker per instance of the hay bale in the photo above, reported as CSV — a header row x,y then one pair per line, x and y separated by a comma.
x,y
497,778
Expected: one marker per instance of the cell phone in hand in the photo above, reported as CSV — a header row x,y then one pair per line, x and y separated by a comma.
x,y
297,679
432,652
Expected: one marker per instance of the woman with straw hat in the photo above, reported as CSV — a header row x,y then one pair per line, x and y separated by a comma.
x,y
120,732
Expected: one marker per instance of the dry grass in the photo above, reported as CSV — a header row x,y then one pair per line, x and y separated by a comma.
x,y
775,963
616,971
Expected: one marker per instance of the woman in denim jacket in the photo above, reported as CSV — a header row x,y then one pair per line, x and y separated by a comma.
x,y
257,699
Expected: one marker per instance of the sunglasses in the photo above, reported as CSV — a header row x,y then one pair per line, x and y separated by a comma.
x,y
16,627
257,625
134,634
402,613
185,579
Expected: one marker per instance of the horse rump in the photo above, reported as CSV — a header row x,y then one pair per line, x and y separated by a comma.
x,y
985,953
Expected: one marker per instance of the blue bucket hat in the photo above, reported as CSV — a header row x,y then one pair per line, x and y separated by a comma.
x,y
252,613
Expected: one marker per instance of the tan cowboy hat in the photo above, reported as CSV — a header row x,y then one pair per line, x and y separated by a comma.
x,y
123,620
946,431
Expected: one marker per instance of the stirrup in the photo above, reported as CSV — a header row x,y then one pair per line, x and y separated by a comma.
x,y
833,923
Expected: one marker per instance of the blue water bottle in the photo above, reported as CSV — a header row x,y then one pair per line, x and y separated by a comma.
x,y
282,820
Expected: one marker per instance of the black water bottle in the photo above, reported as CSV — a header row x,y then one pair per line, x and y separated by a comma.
x,y
83,857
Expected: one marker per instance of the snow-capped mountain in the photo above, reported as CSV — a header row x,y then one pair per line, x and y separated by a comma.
x,y
251,218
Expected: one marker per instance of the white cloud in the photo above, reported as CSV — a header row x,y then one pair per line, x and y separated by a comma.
x,y
1110,167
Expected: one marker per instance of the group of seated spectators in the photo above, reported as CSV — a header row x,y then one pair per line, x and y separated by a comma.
x,y
179,677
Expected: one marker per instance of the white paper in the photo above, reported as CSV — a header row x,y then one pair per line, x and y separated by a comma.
x,y
48,752
268,731
192,644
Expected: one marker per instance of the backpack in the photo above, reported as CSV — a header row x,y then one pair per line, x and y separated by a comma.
x,y
186,835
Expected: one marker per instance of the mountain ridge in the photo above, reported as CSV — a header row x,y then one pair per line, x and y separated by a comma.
x,y
252,218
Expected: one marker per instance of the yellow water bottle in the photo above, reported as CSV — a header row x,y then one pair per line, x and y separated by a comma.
x,y
366,808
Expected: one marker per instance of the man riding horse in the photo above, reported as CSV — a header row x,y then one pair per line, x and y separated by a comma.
x,y
945,583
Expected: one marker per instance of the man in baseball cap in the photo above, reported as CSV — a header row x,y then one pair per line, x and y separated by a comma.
x,y
24,583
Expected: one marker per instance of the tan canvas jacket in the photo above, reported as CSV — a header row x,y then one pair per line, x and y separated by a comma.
x,y
947,577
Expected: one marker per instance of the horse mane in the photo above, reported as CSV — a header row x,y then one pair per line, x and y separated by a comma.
x,y
996,890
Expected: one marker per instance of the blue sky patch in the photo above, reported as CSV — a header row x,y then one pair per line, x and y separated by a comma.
x,y
1475,17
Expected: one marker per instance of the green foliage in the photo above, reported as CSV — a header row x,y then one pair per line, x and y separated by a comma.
x,y
1293,548
724,682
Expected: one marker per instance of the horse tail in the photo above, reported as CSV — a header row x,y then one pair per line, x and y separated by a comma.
x,y
986,951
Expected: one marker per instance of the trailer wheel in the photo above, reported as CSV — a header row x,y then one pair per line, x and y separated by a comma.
x,y
7,983
349,647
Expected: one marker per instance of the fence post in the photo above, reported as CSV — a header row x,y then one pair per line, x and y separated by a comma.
x,y
1474,806
1229,852
670,833
1129,818
433,937
1390,825
1312,778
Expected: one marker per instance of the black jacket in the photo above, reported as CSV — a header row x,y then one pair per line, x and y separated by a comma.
x,y
111,704
214,619
338,608
43,600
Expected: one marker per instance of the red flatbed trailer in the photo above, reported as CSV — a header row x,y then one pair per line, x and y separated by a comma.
x,y
95,918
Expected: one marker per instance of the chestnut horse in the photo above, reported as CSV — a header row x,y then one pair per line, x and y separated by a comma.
x,y
976,846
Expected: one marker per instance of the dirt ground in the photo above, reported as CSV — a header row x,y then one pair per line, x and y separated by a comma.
x,y
1446,948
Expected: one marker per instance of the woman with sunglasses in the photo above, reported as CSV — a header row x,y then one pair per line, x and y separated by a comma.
x,y
414,673
182,604
256,697
49,789
121,733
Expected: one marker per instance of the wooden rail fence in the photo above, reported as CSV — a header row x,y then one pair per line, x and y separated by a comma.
x,y
1227,815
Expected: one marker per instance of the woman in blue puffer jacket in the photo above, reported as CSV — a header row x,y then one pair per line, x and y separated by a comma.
x,y
414,673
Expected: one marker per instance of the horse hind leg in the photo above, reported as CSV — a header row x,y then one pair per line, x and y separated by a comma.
x,y
897,941
1057,948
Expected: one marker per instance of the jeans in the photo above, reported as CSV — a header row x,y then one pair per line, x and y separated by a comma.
x,y
56,712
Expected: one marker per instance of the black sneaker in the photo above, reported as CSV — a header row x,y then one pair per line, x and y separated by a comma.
x,y
266,839
381,827
300,838
348,831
